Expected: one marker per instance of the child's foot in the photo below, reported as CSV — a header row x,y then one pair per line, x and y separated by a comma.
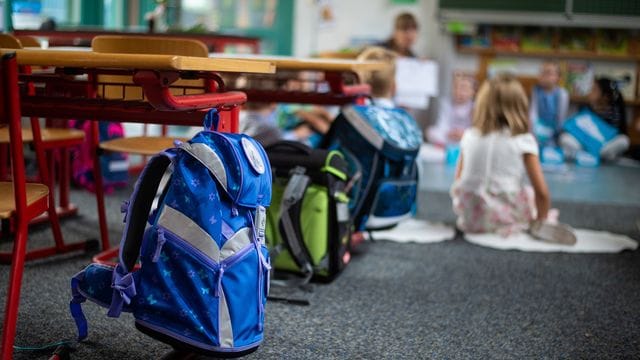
x,y
553,233
552,216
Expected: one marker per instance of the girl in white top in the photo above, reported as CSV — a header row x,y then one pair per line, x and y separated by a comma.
x,y
498,154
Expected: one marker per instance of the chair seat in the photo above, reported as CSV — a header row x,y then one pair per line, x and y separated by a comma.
x,y
35,193
140,145
48,135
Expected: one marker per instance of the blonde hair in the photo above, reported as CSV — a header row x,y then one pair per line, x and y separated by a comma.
x,y
382,81
501,102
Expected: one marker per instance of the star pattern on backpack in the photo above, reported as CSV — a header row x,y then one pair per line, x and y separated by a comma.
x,y
178,273
151,300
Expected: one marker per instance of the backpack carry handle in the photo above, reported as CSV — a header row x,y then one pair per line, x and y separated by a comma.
x,y
212,120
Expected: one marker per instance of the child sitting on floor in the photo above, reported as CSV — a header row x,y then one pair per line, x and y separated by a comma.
x,y
497,155
549,105
382,82
259,120
455,114
307,123
605,101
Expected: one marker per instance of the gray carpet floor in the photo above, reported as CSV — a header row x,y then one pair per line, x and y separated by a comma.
x,y
405,301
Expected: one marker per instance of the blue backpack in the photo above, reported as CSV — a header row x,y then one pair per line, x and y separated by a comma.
x,y
203,276
380,145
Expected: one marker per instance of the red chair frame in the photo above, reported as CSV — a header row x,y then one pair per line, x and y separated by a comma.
x,y
24,212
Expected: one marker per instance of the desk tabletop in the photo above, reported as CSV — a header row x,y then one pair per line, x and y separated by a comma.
x,y
308,64
88,59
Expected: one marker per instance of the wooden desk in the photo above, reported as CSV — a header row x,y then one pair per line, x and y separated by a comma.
x,y
155,74
341,76
309,64
89,59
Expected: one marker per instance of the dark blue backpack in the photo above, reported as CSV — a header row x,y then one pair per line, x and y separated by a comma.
x,y
203,276
380,145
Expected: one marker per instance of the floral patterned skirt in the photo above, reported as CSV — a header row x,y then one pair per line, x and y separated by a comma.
x,y
505,213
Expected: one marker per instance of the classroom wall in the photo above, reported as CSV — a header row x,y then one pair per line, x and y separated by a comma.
x,y
357,21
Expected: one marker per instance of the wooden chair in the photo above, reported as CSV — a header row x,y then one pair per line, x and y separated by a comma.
x,y
144,145
20,201
9,42
138,145
28,41
50,139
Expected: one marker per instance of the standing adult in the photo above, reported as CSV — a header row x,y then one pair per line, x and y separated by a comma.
x,y
405,34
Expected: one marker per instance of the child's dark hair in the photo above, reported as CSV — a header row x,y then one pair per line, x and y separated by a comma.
x,y
609,89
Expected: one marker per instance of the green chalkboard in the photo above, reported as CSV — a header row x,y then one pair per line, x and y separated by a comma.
x,y
505,5
607,7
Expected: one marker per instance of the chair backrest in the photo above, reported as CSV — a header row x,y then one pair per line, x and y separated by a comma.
x,y
28,41
8,41
149,45
10,115
125,44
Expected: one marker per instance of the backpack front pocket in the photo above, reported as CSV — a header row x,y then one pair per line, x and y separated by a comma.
x,y
394,201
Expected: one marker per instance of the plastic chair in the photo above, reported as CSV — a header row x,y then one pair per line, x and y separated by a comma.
x,y
20,201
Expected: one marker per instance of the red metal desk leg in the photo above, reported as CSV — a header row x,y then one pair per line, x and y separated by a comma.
x,y
65,178
97,177
235,122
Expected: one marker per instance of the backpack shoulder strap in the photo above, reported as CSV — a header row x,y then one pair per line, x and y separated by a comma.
x,y
138,207
137,213
289,225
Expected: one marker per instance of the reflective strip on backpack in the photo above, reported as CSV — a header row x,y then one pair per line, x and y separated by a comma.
x,y
237,242
189,231
205,155
225,332
364,128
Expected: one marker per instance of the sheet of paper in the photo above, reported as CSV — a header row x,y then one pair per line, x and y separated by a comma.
x,y
416,81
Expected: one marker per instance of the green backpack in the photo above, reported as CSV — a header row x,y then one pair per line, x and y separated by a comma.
x,y
308,226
